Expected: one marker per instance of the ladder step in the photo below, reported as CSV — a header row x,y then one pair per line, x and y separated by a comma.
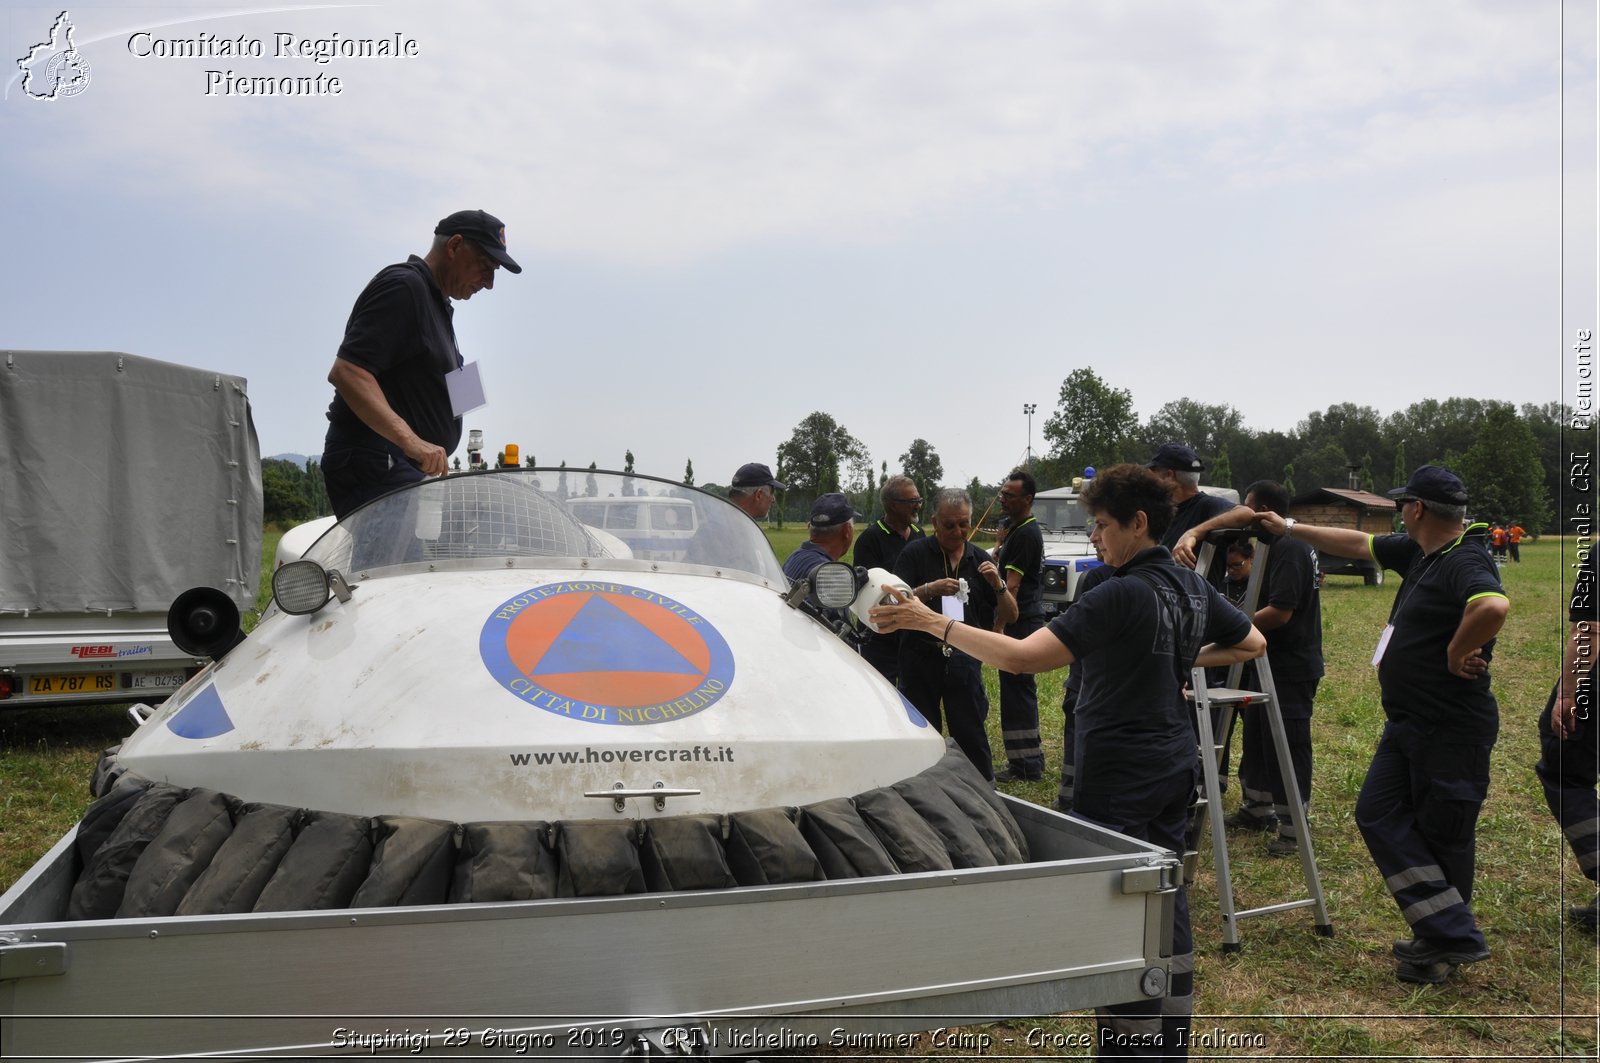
x,y
1268,909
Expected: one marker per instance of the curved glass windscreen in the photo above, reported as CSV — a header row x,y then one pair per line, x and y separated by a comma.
x,y
1061,515
547,513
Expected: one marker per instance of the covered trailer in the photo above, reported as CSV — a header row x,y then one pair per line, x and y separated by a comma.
x,y
125,481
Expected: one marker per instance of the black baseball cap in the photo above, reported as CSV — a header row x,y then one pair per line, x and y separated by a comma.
x,y
1176,456
831,510
756,474
1433,483
483,229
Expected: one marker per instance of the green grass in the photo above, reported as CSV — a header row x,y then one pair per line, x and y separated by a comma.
x,y
1289,992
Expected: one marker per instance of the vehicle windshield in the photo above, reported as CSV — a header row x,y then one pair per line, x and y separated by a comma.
x,y
1060,514
558,513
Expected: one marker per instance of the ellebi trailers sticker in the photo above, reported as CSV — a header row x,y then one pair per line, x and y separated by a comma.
x,y
606,653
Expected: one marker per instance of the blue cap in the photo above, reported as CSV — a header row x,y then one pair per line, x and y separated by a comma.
x,y
1433,483
756,474
1176,456
831,510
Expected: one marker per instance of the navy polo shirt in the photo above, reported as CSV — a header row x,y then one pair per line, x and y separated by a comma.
x,y
879,546
924,562
805,561
1291,583
1133,638
1023,553
401,332
1414,676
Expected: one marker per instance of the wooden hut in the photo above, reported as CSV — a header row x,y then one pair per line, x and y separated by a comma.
x,y
1338,507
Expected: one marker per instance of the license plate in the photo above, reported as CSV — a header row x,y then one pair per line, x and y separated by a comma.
x,y
80,683
155,680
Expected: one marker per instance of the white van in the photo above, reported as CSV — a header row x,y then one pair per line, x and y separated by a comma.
x,y
658,529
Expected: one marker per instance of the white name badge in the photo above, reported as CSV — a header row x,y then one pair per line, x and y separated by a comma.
x,y
952,607
1383,644
466,389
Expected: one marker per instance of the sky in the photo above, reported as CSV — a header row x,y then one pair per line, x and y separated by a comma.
x,y
916,217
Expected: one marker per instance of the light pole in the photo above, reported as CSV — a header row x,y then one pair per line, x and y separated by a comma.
x,y
1028,408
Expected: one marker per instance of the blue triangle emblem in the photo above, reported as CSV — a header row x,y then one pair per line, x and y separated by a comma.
x,y
202,717
602,638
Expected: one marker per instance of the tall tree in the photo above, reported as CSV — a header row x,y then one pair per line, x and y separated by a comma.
x,y
591,486
1207,427
812,454
1288,479
688,473
1353,429
1504,478
1091,425
1221,474
921,463
1325,466
1552,431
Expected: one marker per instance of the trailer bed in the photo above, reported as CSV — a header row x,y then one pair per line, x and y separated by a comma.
x,y
839,963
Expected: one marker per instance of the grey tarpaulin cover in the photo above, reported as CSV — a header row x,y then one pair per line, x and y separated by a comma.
x,y
126,482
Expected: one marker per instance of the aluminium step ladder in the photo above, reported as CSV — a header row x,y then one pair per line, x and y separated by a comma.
x,y
1265,700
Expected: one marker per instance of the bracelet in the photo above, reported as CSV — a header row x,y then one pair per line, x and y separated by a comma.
x,y
947,627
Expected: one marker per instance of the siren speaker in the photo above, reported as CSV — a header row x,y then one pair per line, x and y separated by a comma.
x,y
204,622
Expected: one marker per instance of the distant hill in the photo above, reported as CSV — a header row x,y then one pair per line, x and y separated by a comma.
x,y
298,460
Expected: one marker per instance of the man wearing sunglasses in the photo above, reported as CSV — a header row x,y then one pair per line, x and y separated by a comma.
x,y
878,546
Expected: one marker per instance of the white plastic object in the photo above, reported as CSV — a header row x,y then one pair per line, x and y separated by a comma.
x,y
871,594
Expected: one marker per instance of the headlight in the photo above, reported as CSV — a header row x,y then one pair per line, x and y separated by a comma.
x,y
300,587
834,584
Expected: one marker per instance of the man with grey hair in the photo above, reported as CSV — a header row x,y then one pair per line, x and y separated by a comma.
x,y
879,546
753,490
1418,808
962,582
1179,468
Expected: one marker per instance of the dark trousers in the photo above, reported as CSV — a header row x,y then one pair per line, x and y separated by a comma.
x,y
933,682
1418,813
1568,770
1019,711
1069,750
1156,812
883,653
355,476
1259,775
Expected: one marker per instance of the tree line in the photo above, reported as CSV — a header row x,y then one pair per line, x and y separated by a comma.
x,y
1514,460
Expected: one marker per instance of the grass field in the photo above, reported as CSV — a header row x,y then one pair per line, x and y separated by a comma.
x,y
1289,992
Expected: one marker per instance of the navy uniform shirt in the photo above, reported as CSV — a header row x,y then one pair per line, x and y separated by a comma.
x,y
1023,553
879,546
1134,638
1197,510
805,561
924,562
1291,583
401,332
1414,675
